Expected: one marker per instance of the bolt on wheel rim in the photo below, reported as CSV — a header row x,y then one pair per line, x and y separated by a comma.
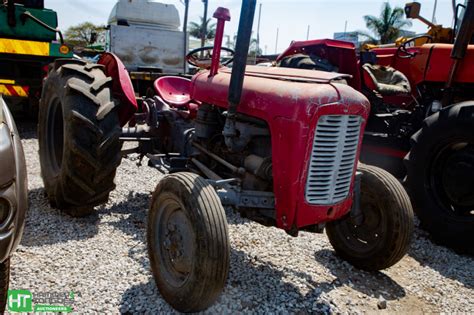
x,y
174,243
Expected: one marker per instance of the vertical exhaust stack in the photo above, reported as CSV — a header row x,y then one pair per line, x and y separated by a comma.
x,y
238,71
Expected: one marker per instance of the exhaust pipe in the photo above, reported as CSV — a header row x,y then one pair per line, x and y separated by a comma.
x,y
238,71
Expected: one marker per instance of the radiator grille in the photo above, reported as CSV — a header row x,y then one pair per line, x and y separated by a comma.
x,y
332,159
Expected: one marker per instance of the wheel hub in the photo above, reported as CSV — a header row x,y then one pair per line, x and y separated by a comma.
x,y
458,178
177,245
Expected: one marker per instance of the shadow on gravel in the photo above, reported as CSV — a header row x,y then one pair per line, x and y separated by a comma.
x,y
372,284
136,205
260,288
442,259
27,126
45,225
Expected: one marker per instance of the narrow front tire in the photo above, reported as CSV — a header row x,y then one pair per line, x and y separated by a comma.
x,y
383,236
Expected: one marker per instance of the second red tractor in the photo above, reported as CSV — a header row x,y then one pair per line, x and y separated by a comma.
x,y
421,125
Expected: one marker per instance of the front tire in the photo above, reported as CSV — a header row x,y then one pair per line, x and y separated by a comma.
x,y
383,236
188,242
440,176
78,134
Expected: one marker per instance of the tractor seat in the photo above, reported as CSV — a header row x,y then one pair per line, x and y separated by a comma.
x,y
173,90
385,80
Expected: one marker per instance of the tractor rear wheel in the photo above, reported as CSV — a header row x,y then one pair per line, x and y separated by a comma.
x,y
383,236
188,242
4,283
78,135
440,176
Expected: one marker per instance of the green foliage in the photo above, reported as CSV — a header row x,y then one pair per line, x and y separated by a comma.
x,y
386,28
85,34
253,50
195,29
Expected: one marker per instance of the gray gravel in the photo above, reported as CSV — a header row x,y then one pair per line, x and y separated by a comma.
x,y
104,259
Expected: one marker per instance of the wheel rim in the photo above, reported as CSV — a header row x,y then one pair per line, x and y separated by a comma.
x,y
174,242
364,237
451,179
55,134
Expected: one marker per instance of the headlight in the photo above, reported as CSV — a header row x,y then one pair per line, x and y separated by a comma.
x,y
4,209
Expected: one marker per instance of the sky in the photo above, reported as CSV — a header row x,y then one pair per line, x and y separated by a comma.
x,y
290,17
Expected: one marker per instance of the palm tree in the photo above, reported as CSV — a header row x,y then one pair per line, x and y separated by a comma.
x,y
195,29
386,27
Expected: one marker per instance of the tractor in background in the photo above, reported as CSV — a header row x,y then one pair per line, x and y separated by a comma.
x,y
28,45
421,122
281,146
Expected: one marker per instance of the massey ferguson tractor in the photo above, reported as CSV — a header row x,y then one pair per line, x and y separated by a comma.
x,y
421,125
280,146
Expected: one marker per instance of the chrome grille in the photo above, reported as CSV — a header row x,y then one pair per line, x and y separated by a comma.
x,y
332,159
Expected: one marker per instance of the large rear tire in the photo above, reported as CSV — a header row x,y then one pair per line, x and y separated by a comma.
x,y
383,236
4,282
440,176
188,242
78,134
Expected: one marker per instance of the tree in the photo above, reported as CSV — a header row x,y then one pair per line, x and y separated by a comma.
x,y
386,28
195,29
253,49
85,34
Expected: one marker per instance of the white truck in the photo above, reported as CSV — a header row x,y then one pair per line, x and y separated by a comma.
x,y
146,36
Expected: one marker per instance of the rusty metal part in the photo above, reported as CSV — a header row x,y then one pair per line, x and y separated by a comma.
x,y
261,167
233,168
203,168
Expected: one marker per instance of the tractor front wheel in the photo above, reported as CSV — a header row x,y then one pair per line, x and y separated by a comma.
x,y
188,242
382,236
78,135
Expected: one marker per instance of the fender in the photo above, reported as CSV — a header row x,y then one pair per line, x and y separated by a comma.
x,y
122,88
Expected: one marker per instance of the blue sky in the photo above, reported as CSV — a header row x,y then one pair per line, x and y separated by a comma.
x,y
289,16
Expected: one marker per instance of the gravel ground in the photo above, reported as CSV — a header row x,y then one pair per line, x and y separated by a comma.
x,y
104,259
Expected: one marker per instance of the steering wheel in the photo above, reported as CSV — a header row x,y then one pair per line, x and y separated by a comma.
x,y
402,51
199,58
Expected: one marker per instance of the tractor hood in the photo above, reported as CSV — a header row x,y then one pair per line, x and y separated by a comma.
x,y
287,74
277,91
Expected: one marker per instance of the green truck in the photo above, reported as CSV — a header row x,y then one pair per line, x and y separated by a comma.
x,y
28,44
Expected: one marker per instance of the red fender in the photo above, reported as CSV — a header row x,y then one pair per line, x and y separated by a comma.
x,y
122,88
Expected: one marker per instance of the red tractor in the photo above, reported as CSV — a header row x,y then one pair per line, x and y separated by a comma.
x,y
421,125
279,145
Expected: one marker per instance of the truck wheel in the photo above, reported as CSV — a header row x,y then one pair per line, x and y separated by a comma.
x,y
383,236
188,242
440,176
78,135
4,281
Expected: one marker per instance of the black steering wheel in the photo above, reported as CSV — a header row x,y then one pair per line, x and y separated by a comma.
x,y
402,51
202,57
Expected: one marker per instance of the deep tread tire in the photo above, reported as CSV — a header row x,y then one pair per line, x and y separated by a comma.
x,y
4,281
382,192
450,125
82,176
209,236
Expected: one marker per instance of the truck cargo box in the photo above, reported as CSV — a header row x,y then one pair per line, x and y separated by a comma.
x,y
140,46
